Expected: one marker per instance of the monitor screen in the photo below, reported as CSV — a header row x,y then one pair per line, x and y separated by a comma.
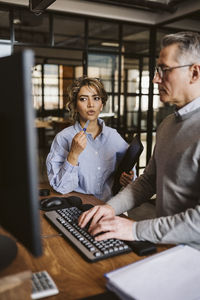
x,y
19,213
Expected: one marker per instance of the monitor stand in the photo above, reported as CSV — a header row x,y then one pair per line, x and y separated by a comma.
x,y
8,251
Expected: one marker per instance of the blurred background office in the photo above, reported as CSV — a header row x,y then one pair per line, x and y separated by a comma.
x,y
116,41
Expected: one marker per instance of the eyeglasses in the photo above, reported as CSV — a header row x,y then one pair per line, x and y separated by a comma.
x,y
161,70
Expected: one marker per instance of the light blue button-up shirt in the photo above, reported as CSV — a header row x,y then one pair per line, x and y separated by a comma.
x,y
193,105
96,164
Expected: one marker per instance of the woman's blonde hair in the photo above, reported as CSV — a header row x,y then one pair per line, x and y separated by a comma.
x,y
74,88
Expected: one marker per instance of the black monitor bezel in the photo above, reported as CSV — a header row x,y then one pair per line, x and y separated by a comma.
x,y
19,207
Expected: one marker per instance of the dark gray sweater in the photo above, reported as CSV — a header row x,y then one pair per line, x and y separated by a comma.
x,y
173,173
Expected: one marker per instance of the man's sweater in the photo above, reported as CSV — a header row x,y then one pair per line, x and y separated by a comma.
x,y
173,173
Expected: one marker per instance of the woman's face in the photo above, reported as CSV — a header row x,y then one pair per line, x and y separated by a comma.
x,y
89,104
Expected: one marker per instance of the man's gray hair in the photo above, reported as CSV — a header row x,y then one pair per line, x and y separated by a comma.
x,y
188,44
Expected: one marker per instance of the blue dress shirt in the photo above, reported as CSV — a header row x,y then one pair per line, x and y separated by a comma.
x,y
96,164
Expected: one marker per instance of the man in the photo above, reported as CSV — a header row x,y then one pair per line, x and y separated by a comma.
x,y
173,172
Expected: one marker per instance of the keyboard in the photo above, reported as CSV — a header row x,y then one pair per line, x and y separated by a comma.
x,y
43,285
66,221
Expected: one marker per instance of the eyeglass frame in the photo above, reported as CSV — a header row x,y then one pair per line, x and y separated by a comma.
x,y
161,71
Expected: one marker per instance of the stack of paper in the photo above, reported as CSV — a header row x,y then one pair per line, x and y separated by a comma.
x,y
173,274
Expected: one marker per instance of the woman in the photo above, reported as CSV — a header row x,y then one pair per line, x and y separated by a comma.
x,y
85,160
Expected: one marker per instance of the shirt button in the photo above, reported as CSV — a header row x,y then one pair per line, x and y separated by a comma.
x,y
99,168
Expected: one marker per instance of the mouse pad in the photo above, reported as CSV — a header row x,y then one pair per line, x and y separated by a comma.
x,y
54,203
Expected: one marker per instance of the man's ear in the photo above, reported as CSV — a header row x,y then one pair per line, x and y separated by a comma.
x,y
195,73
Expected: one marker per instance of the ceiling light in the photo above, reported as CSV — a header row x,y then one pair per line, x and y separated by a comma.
x,y
16,21
110,44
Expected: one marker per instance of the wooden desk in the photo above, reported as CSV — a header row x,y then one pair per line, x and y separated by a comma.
x,y
75,278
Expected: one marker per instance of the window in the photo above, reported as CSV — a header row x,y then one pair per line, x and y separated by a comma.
x,y
69,32
30,28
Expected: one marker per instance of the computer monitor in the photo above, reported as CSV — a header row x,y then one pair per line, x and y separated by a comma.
x,y
19,213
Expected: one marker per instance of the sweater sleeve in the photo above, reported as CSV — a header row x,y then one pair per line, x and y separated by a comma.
x,y
179,228
137,192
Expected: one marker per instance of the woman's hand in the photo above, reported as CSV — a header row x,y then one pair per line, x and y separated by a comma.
x,y
79,143
125,178
95,214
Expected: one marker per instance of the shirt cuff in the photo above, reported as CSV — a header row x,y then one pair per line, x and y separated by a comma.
x,y
135,174
69,168
135,237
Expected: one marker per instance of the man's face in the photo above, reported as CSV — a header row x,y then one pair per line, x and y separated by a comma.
x,y
174,85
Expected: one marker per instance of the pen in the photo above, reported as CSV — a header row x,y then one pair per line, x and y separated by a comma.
x,y
86,125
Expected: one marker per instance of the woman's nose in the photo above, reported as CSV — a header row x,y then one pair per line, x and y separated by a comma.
x,y
90,102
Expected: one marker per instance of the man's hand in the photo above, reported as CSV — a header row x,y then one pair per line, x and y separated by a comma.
x,y
114,227
125,178
95,214
79,143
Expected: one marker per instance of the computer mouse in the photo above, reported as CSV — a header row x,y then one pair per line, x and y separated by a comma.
x,y
52,203
55,202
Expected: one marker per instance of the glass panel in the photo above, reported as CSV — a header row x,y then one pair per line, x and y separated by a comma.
x,y
103,35
115,104
145,82
5,45
30,28
37,87
64,66
135,39
66,77
144,111
131,75
132,104
68,32
142,159
133,81
51,90
78,71
4,25
132,120
5,48
122,105
104,66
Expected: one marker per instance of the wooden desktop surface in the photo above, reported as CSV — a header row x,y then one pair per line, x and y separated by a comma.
x,y
74,277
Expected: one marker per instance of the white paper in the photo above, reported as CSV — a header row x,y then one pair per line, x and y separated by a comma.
x,y
173,274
